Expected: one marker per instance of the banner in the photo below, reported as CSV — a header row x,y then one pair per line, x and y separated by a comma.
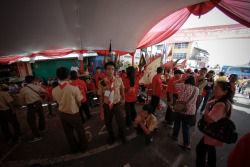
x,y
233,31
150,71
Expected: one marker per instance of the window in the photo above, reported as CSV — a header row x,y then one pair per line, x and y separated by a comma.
x,y
181,45
180,55
245,70
234,69
159,47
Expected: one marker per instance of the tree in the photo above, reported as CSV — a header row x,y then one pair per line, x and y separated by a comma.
x,y
217,66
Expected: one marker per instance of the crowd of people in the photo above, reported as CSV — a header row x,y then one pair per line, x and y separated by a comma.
x,y
73,97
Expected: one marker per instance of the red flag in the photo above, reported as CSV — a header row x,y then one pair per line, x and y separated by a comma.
x,y
170,54
183,63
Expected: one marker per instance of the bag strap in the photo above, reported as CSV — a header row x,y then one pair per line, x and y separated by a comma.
x,y
191,95
228,113
33,90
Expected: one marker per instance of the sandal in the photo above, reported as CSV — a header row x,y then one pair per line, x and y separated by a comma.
x,y
185,147
172,137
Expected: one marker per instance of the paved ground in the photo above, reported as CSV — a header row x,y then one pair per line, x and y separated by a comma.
x,y
54,150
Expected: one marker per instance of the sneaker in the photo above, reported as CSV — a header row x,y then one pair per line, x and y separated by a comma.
x,y
35,139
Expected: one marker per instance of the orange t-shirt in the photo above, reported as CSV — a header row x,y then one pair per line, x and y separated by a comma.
x,y
50,92
82,86
170,87
157,83
96,78
90,86
130,92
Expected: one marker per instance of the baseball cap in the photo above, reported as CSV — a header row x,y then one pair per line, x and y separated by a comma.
x,y
189,70
178,72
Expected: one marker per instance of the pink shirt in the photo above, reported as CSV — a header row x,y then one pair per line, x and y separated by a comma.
x,y
186,91
218,111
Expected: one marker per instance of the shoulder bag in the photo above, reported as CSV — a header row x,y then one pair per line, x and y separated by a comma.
x,y
181,106
222,130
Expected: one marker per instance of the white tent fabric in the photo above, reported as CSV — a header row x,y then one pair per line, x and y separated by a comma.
x,y
32,26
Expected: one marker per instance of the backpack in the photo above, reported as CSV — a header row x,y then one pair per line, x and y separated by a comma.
x,y
223,130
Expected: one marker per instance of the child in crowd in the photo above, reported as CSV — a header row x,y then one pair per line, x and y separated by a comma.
x,y
98,76
146,123
49,98
91,92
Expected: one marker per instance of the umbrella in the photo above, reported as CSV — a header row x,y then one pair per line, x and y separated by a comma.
x,y
170,64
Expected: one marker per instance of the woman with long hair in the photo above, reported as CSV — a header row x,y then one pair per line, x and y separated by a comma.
x,y
131,85
215,110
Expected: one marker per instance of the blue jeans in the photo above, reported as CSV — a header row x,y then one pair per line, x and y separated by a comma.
x,y
185,120
209,92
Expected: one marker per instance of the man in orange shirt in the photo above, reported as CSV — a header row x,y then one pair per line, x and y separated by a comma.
x,y
83,88
156,88
91,91
98,76
123,75
172,96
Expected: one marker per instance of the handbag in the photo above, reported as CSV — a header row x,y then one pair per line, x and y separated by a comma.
x,y
222,130
181,106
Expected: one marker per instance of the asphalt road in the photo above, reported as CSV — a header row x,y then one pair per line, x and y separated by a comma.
x,y
54,150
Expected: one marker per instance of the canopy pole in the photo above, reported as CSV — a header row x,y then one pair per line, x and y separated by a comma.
x,y
133,59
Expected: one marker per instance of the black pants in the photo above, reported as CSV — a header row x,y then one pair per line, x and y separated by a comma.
x,y
108,116
146,136
7,117
154,102
202,150
70,123
170,115
84,107
34,108
130,112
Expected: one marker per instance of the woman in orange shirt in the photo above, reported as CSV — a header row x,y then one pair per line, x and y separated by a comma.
x,y
131,85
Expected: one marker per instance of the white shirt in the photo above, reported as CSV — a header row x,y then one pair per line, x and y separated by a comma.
x,y
74,69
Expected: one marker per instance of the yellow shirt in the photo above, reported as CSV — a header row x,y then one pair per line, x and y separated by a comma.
x,y
151,122
201,85
118,85
221,78
4,99
67,98
29,95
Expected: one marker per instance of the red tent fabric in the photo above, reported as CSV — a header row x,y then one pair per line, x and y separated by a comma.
x,y
170,64
9,60
238,10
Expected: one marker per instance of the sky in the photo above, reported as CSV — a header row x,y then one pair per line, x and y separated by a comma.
x,y
223,52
